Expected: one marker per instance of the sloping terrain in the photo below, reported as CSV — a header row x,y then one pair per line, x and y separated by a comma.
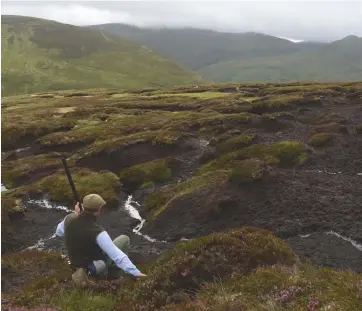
x,y
40,55
196,160
196,48
337,61
250,57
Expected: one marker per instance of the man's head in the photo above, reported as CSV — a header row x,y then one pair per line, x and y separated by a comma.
x,y
93,203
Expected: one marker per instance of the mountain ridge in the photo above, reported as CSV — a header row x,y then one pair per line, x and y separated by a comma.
x,y
250,56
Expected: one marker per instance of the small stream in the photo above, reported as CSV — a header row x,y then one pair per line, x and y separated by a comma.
x,y
352,242
133,213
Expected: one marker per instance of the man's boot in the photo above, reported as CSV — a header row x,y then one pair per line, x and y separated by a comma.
x,y
80,279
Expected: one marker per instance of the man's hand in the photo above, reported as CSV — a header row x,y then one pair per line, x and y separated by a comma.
x,y
141,276
77,209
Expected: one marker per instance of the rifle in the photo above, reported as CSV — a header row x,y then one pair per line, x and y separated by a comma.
x,y
75,193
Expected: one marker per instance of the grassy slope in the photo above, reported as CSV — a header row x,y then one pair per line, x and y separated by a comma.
x,y
40,55
339,61
250,57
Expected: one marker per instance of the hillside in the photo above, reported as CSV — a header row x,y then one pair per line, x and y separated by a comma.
x,y
250,57
40,55
337,61
235,197
196,48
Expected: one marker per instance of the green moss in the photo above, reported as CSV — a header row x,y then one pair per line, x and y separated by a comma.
x,y
157,202
284,153
320,139
246,171
141,175
18,169
104,183
235,143
168,138
189,265
274,103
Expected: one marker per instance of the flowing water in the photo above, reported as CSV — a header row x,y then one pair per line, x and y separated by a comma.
x,y
133,212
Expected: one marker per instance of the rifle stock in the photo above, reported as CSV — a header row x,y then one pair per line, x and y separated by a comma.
x,y
74,190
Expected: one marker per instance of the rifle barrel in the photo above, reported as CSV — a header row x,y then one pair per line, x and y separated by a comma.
x,y
75,193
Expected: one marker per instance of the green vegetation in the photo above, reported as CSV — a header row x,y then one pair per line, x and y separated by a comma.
x,y
158,201
246,171
42,56
320,139
86,181
243,269
103,183
275,103
142,175
235,143
142,138
250,57
284,153
215,257
281,288
28,167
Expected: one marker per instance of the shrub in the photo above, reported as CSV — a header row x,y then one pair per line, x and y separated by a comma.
x,y
13,171
104,183
321,139
279,288
34,273
158,201
215,257
284,153
246,171
140,175
235,143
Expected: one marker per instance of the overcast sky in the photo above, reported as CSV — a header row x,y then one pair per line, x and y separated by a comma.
x,y
301,20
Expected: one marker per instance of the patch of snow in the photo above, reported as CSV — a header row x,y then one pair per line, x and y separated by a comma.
x,y
292,40
354,243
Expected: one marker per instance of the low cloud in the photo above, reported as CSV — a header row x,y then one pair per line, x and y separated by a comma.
x,y
314,20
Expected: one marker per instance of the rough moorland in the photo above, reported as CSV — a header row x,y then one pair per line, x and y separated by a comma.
x,y
243,269
199,160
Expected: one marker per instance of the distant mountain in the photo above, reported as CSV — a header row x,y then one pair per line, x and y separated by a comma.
x,y
197,48
243,57
337,61
40,55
